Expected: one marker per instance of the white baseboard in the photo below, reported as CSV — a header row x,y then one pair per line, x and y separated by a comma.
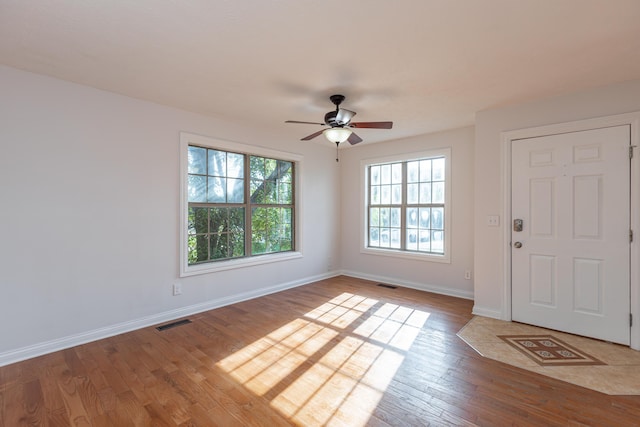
x,y
485,312
28,352
413,285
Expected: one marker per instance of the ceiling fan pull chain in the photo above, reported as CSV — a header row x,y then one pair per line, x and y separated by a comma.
x,y
337,152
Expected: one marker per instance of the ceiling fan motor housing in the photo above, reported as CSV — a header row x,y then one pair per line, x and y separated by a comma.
x,y
330,118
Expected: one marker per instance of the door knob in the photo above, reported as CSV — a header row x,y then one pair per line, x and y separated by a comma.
x,y
517,245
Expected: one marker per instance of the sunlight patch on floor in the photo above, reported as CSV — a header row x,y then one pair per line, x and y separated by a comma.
x,y
315,378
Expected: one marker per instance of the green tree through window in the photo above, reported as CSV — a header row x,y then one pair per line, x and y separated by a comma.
x,y
228,218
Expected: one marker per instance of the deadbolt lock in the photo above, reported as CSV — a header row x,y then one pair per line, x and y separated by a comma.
x,y
517,225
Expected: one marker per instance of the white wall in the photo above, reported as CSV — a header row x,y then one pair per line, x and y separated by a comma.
x,y
489,198
89,215
430,276
89,210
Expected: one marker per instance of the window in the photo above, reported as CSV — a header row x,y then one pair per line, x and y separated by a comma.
x,y
239,204
407,205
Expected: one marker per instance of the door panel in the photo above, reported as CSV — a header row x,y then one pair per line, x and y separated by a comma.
x,y
571,272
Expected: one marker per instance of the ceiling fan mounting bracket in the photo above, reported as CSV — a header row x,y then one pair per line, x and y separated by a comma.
x,y
337,99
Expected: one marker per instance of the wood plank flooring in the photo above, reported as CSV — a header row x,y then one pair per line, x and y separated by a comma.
x,y
341,352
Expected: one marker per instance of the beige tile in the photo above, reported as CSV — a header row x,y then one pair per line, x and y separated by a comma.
x,y
620,375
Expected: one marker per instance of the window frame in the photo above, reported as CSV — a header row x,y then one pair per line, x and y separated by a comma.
x,y
187,139
364,208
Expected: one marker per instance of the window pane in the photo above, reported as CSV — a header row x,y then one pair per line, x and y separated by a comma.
x,y
256,167
437,218
385,194
374,217
235,190
235,165
396,173
438,169
270,191
396,194
425,170
412,194
395,217
438,192
198,218
385,174
384,217
259,230
197,188
197,160
217,190
269,229
395,238
374,236
286,245
425,216
270,166
413,171
219,246
385,238
412,240
257,192
218,220
217,163
375,175
437,241
284,193
285,236
236,219
424,243
375,195
412,217
198,248
286,172
425,193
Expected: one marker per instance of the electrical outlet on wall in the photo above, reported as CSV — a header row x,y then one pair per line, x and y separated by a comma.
x,y
177,289
467,274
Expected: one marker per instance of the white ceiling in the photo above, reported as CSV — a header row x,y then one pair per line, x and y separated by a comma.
x,y
427,65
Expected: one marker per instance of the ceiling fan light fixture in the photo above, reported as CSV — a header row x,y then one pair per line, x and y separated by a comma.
x,y
337,135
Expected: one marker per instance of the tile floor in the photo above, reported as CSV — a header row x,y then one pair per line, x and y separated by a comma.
x,y
620,375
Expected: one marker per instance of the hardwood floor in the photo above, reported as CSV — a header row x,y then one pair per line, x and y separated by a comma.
x,y
337,352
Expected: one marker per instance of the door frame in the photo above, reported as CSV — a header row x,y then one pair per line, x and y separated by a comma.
x,y
507,137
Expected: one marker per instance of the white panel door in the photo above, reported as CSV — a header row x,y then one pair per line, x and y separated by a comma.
x,y
570,262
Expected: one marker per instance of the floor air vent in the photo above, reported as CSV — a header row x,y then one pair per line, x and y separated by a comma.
x,y
387,286
173,325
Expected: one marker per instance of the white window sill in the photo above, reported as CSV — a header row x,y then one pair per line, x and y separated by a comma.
x,y
407,255
214,267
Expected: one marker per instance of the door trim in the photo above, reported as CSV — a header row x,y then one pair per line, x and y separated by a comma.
x,y
632,119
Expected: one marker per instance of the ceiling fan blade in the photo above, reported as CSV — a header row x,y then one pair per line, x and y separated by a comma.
x,y
305,123
313,135
354,139
372,125
344,116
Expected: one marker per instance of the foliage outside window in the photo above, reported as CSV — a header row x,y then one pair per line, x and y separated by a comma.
x,y
239,205
407,205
